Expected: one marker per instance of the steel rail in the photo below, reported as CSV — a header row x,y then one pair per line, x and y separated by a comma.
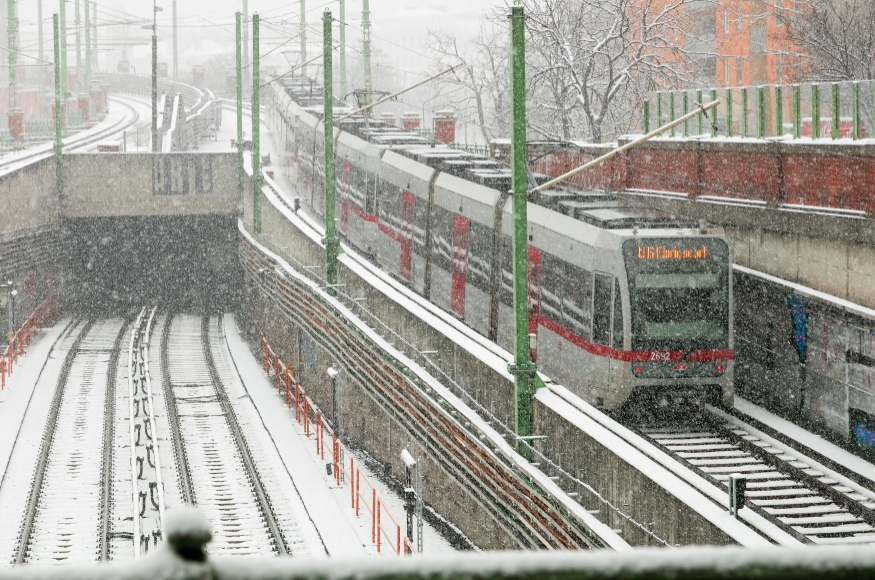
x,y
106,460
159,480
77,142
231,417
186,486
135,512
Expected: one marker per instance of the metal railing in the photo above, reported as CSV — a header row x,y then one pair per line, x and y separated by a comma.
x,y
183,557
844,110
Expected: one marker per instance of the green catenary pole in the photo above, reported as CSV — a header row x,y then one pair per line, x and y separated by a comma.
x,y
836,111
779,111
59,166
855,110
331,242
522,367
797,111
714,112
341,28
176,45
239,70
700,118
256,128
729,112
245,43
87,47
41,55
63,39
96,62
815,111
743,113
671,110
366,49
761,112
302,32
78,20
11,26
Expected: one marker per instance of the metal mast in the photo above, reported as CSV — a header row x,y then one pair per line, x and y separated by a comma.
x,y
175,46
342,34
331,242
303,35
12,35
366,40
87,48
255,113
63,39
245,41
78,20
155,145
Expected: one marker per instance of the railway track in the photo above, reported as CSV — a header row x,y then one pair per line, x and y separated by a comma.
x,y
808,500
66,514
215,468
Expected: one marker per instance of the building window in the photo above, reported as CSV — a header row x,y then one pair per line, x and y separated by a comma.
x,y
726,21
726,72
738,18
739,78
779,68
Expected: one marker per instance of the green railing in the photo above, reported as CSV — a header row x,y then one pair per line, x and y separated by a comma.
x,y
845,111
182,557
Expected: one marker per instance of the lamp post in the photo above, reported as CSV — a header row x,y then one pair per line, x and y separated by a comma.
x,y
410,495
336,400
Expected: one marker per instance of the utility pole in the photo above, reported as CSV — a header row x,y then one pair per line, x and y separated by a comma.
x,y
366,40
330,241
87,48
342,33
63,39
239,105
41,56
96,62
59,166
245,42
303,35
176,46
78,20
256,128
522,368
12,36
155,145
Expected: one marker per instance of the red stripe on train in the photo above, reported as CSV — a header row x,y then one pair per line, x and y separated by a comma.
x,y
635,355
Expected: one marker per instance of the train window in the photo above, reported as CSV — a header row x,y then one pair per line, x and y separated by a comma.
x,y
506,292
479,255
679,293
577,300
552,276
442,237
618,317
601,310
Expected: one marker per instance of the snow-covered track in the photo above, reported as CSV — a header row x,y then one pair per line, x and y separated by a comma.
x,y
804,498
65,518
215,467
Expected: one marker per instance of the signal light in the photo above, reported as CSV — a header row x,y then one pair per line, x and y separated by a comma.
x,y
638,370
719,368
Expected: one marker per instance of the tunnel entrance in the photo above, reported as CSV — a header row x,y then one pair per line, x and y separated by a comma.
x,y
180,262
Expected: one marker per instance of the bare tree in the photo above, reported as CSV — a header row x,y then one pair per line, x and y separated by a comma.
x,y
590,62
479,91
838,38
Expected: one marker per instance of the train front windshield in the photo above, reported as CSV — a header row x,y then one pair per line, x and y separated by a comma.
x,y
679,293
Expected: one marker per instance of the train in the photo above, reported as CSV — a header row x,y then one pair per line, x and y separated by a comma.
x,y
628,307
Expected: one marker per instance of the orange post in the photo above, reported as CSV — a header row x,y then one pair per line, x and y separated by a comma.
x,y
335,451
316,428
20,343
297,404
3,372
277,366
264,355
373,515
288,395
351,483
358,492
379,538
306,415
27,325
398,538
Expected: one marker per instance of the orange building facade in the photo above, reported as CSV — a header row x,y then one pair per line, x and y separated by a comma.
x,y
752,45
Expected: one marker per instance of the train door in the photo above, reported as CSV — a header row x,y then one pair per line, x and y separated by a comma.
x,y
601,309
459,264
344,196
407,235
534,292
